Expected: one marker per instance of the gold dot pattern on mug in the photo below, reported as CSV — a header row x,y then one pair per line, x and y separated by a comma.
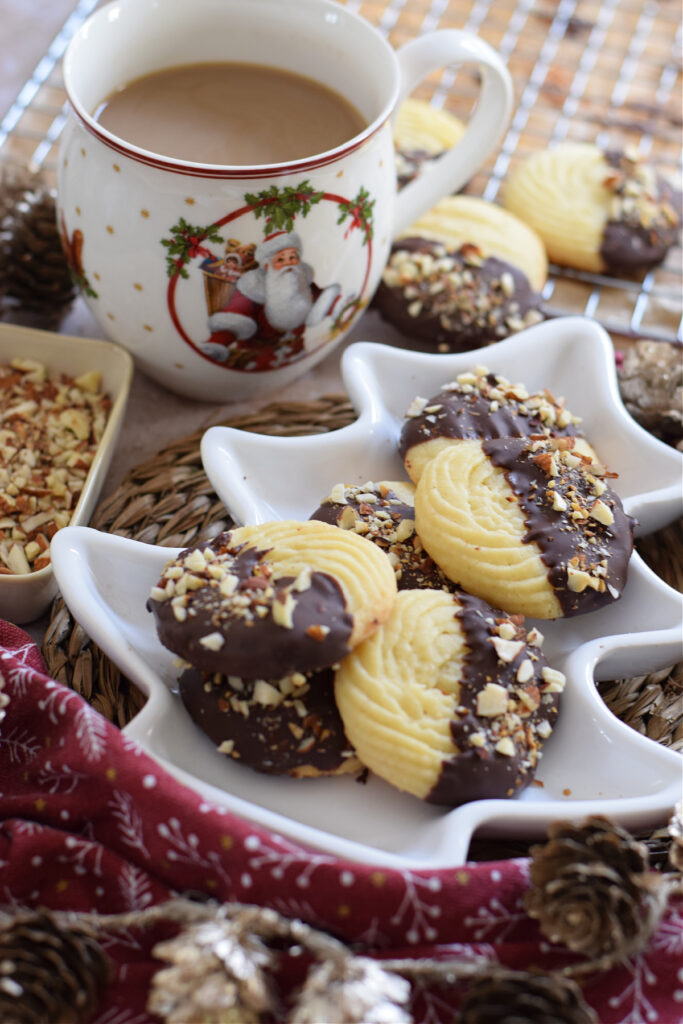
x,y
110,229
190,201
137,286
116,168
144,213
148,328
78,210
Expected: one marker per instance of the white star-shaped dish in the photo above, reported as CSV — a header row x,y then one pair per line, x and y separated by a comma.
x,y
592,764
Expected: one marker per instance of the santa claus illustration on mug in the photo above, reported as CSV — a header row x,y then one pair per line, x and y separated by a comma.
x,y
271,306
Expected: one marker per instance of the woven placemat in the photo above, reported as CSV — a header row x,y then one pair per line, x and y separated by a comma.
x,y
168,500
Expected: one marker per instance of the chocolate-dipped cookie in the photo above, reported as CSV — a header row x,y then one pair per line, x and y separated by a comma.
x,y
453,300
262,601
450,700
421,134
529,525
384,513
596,210
288,726
477,405
461,220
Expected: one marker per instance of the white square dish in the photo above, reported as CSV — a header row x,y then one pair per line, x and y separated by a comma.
x,y
23,598
593,763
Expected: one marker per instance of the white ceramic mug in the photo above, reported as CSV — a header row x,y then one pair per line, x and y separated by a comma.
x,y
156,243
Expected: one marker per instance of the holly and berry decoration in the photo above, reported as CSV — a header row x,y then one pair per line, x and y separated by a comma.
x,y
360,212
185,243
277,208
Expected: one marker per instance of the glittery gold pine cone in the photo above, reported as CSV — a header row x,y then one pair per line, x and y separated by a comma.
x,y
509,997
651,384
591,887
217,975
355,990
49,972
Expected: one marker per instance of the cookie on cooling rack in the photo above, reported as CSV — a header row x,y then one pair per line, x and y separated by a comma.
x,y
465,275
384,513
422,133
287,726
529,525
477,405
259,602
450,700
596,210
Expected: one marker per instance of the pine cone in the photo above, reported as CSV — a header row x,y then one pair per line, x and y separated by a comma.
x,y
590,884
651,384
355,990
49,972
508,997
218,976
33,268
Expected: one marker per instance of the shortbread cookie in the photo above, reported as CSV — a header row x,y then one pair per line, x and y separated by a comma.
x,y
529,525
422,133
384,513
262,601
477,405
467,220
449,700
453,300
288,726
596,210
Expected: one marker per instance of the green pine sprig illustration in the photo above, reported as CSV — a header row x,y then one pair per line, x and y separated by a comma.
x,y
279,207
185,243
360,212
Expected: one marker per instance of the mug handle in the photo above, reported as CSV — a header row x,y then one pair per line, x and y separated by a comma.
x,y
448,173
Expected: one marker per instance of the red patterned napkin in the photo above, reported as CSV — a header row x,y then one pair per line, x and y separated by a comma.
x,y
89,822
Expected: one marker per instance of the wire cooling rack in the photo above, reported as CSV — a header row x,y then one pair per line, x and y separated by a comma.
x,y
604,71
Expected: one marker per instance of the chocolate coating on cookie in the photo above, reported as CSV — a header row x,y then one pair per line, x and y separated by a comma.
x,y
645,218
377,512
453,301
410,163
576,520
289,726
508,704
222,608
484,405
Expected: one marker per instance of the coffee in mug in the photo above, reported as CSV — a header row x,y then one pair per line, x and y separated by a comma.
x,y
230,113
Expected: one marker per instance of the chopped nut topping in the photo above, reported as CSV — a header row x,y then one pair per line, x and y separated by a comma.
x,y
50,427
417,406
602,513
525,671
507,650
493,700
555,679
462,291
212,642
506,747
